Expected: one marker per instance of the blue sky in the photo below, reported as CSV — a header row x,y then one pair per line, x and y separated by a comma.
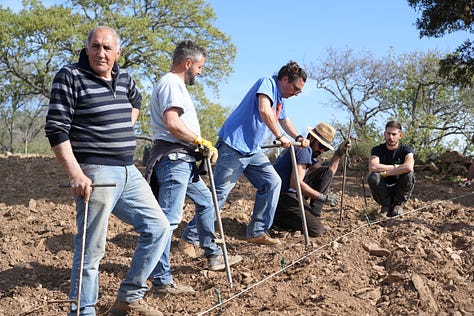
x,y
269,33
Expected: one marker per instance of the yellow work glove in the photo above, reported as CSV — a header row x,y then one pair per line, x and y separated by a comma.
x,y
206,148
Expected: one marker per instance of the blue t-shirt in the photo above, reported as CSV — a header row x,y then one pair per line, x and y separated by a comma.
x,y
284,166
244,129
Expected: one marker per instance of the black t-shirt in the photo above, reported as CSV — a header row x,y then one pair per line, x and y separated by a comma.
x,y
392,157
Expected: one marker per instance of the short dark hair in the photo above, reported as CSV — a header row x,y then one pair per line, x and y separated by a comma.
x,y
293,71
188,49
394,123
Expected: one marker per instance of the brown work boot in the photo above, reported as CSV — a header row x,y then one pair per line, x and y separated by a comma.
x,y
264,239
140,307
173,289
217,263
188,249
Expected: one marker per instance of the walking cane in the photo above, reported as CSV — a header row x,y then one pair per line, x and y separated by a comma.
x,y
298,186
218,217
83,246
344,174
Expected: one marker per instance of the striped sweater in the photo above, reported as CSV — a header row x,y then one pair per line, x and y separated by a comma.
x,y
93,114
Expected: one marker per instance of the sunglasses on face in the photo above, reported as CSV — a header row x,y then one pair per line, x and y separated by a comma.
x,y
322,147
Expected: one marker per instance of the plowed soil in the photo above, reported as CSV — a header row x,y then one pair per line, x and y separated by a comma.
x,y
421,263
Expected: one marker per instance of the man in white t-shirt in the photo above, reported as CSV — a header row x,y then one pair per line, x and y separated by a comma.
x,y
172,170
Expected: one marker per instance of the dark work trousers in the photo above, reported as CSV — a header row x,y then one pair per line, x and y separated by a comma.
x,y
389,195
288,214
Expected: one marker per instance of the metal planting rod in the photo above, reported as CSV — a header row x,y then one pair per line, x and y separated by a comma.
x,y
344,169
300,196
83,243
219,221
298,186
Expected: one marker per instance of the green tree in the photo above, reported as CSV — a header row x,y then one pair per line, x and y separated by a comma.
x,y
38,40
441,17
354,81
434,112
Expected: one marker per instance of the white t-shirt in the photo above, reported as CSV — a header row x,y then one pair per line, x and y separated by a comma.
x,y
171,92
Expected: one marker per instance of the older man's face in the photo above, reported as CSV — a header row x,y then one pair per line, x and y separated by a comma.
x,y
103,52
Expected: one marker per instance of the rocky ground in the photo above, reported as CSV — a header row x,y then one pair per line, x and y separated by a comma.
x,y
421,263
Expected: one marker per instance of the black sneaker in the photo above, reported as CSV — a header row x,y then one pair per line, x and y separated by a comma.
x,y
396,211
385,209
216,263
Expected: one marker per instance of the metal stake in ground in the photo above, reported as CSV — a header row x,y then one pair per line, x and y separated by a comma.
x,y
344,169
298,186
83,248
83,245
218,217
362,182
300,196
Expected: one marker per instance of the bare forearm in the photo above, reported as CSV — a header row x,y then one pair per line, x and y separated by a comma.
x,y
308,192
288,127
65,156
334,163
135,113
80,183
269,120
176,126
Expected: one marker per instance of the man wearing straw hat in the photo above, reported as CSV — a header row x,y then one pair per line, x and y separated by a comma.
x,y
315,180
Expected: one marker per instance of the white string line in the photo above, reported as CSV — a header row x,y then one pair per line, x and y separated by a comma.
x,y
322,247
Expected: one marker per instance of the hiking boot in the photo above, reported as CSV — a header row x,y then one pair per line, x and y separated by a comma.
x,y
188,249
264,239
140,307
172,289
397,211
216,263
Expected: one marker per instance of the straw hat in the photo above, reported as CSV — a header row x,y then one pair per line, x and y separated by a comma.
x,y
324,133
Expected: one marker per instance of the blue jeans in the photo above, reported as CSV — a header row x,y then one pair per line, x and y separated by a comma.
x,y
260,172
175,181
132,201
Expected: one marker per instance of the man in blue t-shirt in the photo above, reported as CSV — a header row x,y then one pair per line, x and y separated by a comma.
x,y
315,180
391,176
261,110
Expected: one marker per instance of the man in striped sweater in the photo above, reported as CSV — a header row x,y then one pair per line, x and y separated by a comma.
x,y
93,107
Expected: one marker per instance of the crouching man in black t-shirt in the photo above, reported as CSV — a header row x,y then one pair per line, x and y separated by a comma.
x,y
391,177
